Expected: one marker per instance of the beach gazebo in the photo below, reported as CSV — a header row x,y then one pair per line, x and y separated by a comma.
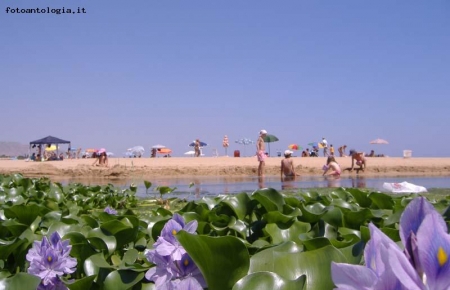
x,y
48,141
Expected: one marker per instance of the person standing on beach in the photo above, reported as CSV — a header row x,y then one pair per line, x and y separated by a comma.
x,y
261,152
325,147
341,151
197,148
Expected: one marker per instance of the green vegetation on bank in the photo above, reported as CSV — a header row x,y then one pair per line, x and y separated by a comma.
x,y
262,240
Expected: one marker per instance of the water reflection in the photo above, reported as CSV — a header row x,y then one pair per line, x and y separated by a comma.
x,y
261,182
358,181
212,186
288,182
333,181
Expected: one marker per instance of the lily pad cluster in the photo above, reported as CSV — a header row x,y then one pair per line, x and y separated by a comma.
x,y
259,240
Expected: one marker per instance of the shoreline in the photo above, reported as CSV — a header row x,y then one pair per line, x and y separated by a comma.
x,y
123,168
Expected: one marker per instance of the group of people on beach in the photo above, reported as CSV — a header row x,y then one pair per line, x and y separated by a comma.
x,y
331,168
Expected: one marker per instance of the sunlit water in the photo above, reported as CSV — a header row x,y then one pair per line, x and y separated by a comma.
x,y
212,186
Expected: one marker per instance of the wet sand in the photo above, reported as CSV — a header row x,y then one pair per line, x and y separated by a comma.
x,y
218,166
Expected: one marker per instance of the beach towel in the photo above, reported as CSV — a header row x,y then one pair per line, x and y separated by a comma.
x,y
403,187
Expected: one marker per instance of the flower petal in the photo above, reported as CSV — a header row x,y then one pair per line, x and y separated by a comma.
x,y
413,217
403,270
346,276
434,251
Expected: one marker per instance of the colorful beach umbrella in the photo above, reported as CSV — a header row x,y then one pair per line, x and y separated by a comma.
x,y
316,144
294,147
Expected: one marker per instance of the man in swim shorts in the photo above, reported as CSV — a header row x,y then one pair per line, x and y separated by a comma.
x,y
261,152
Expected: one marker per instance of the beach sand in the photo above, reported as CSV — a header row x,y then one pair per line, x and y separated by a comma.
x,y
218,166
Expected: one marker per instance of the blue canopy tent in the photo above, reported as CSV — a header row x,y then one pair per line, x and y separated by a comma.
x,y
48,141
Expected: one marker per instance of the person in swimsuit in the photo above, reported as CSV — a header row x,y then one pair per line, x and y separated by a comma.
x,y
341,151
333,166
197,148
359,158
261,152
287,166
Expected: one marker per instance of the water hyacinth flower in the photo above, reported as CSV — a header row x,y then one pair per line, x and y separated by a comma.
x,y
424,264
174,268
110,210
50,259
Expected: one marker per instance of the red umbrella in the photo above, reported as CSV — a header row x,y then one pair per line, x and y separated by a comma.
x,y
294,147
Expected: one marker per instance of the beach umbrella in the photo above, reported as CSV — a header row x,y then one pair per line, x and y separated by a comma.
x,y
136,150
245,142
316,144
225,144
379,141
294,147
101,150
159,146
269,139
202,144
91,150
164,151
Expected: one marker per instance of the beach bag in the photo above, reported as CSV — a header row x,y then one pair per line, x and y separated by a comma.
x,y
403,187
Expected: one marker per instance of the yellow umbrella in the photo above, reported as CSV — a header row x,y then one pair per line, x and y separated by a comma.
x,y
51,148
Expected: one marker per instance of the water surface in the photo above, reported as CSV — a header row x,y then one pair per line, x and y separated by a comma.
x,y
212,186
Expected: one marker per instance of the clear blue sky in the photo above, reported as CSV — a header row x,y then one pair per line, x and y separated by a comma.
x,y
152,72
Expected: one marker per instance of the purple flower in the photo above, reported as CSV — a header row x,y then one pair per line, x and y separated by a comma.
x,y
110,210
378,273
424,264
54,284
50,259
176,224
174,268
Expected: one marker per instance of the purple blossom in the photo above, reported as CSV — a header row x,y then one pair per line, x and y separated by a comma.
x,y
50,259
174,268
424,264
54,284
110,210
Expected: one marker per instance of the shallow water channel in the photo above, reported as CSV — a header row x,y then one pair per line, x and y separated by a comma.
x,y
212,186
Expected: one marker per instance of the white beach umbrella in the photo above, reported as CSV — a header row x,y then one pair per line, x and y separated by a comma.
x,y
159,146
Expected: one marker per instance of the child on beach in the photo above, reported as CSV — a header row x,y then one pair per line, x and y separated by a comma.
x,y
331,150
332,165
287,165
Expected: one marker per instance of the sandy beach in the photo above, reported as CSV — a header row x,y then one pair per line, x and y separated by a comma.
x,y
218,166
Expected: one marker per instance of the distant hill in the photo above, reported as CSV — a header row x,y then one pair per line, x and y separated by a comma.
x,y
13,148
